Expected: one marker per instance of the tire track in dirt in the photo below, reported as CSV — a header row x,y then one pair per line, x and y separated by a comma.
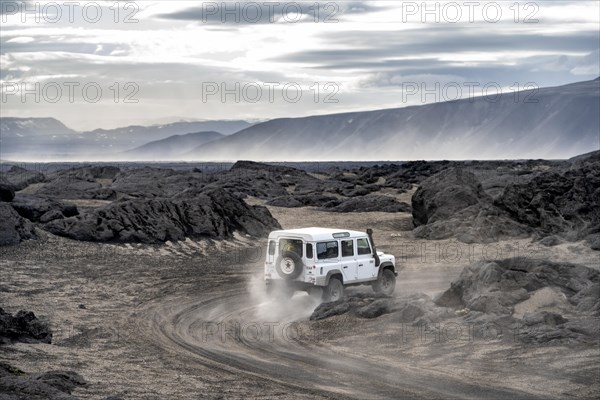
x,y
193,329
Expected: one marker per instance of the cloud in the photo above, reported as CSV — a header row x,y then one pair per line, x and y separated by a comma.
x,y
251,13
588,65
21,39
10,7
49,46
345,50
369,53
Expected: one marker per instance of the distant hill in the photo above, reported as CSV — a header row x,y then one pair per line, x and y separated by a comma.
x,y
562,123
170,148
27,135
139,135
29,127
48,138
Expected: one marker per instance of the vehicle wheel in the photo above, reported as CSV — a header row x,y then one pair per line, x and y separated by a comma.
x,y
334,291
289,265
386,283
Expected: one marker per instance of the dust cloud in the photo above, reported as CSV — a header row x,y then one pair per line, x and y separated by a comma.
x,y
275,307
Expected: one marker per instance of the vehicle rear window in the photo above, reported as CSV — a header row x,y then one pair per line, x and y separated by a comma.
x,y
309,251
327,250
290,245
347,248
363,246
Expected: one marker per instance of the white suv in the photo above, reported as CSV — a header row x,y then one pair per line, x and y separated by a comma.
x,y
321,260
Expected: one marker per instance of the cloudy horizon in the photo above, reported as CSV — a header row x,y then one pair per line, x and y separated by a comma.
x,y
210,61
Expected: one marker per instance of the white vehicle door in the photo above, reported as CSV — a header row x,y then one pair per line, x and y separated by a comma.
x,y
329,253
366,268
348,260
328,257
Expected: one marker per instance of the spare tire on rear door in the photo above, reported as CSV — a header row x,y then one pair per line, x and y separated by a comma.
x,y
289,265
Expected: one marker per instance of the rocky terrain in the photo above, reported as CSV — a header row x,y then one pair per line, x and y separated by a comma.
x,y
472,201
14,228
544,302
563,201
128,266
17,384
24,326
209,214
548,301
453,203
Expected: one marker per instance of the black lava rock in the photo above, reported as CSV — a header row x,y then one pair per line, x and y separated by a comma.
x,y
21,177
43,209
13,228
453,203
368,204
214,214
52,385
7,190
23,326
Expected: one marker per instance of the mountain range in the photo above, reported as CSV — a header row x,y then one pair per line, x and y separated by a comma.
x,y
172,147
48,138
556,122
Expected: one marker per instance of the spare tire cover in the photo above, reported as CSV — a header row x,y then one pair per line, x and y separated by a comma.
x,y
289,265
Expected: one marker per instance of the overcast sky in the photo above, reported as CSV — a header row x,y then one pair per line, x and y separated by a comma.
x,y
174,58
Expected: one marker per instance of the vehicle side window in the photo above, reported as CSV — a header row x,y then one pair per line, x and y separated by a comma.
x,y
309,251
363,246
327,250
271,247
347,248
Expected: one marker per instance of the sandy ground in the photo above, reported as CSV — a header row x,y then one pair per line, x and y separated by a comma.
x,y
190,320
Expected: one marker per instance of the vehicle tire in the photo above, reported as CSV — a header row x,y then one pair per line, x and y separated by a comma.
x,y
386,284
334,291
289,265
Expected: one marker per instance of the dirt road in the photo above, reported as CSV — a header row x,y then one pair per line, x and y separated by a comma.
x,y
180,321
237,340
